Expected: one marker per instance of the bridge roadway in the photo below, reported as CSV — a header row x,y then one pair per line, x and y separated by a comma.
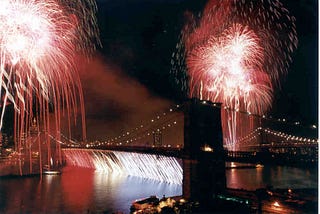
x,y
263,157
165,151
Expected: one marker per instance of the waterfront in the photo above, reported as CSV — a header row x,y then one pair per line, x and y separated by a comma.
x,y
81,190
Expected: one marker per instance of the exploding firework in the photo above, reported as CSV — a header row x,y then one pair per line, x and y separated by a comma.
x,y
236,53
39,40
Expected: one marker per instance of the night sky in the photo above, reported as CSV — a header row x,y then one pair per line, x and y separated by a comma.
x,y
131,73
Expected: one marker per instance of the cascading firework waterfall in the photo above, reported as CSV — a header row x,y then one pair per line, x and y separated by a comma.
x,y
156,167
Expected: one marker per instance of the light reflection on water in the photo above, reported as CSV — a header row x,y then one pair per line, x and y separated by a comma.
x,y
275,176
82,190
78,191
120,192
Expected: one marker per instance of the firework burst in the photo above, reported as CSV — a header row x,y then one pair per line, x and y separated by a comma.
x,y
236,53
38,43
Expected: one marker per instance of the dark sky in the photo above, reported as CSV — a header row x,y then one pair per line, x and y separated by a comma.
x,y
139,37
298,97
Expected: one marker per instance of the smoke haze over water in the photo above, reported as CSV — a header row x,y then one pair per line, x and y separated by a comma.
x,y
115,102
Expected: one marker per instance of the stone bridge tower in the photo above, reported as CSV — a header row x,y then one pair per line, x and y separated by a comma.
x,y
204,156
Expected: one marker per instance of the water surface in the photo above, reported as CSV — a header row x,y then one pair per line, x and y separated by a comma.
x,y
79,190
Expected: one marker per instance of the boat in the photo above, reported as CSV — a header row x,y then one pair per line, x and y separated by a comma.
x,y
144,203
234,165
51,170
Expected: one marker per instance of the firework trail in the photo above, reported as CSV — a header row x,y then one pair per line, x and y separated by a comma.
x,y
39,40
236,53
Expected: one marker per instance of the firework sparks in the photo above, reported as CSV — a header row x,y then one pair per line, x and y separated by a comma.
x,y
38,43
161,168
229,68
236,53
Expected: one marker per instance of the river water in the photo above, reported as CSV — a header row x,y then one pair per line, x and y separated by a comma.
x,y
82,191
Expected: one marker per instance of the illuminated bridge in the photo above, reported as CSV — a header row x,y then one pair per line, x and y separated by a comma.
x,y
197,162
186,144
261,139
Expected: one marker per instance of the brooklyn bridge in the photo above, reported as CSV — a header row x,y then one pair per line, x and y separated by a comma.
x,y
196,129
182,145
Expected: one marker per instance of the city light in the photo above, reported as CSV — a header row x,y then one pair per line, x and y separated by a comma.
x,y
276,204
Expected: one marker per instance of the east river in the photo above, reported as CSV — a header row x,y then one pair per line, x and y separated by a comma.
x,y
86,191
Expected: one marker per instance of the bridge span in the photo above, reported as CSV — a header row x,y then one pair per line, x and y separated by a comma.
x,y
201,159
199,166
283,154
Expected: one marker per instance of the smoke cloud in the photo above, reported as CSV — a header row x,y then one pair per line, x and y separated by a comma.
x,y
114,102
